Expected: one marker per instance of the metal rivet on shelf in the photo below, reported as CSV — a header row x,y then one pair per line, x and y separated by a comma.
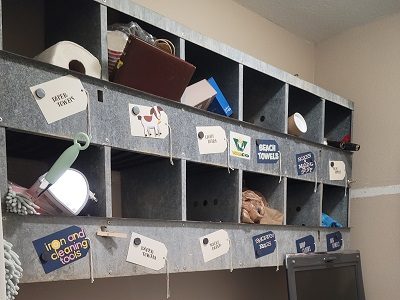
x,y
135,110
40,93
45,256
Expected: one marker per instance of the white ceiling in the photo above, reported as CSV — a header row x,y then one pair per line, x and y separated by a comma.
x,y
317,20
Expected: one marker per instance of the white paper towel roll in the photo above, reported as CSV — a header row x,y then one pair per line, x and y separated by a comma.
x,y
71,56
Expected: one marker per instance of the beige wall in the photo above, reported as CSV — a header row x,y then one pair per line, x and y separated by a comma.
x,y
363,64
375,231
232,24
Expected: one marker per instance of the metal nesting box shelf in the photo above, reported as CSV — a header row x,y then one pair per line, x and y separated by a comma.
x,y
181,239
132,176
110,123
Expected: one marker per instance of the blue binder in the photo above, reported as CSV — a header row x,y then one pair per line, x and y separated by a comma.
x,y
219,105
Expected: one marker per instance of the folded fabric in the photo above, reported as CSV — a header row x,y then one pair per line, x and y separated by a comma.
x,y
116,41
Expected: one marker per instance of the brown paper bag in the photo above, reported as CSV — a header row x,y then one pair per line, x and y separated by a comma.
x,y
272,217
255,209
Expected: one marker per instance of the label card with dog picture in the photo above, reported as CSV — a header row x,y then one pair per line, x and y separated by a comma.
x,y
146,252
60,98
334,241
267,151
305,163
337,170
211,139
148,121
240,145
305,244
214,245
264,244
61,248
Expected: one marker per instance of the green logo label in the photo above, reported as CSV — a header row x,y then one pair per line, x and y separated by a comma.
x,y
240,145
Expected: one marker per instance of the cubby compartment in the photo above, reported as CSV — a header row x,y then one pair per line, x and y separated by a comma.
x,y
30,156
114,16
212,194
145,186
303,204
310,107
224,71
268,185
29,27
337,122
263,100
335,203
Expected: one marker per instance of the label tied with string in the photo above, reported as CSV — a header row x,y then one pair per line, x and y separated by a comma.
x,y
337,170
305,163
264,244
240,145
267,151
305,244
148,121
334,241
60,98
211,139
214,245
62,248
146,252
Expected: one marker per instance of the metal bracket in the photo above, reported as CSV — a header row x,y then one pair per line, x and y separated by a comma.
x,y
105,233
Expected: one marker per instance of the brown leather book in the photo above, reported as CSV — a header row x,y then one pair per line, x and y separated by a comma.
x,y
147,68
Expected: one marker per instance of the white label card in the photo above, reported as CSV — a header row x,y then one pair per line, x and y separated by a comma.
x,y
211,139
60,98
337,170
240,145
214,245
146,252
148,121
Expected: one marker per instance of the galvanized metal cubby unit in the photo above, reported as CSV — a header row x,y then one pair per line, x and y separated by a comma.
x,y
137,188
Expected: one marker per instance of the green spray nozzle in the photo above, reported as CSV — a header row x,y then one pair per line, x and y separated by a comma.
x,y
67,158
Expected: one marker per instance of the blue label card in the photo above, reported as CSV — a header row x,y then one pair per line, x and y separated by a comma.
x,y
305,244
264,244
267,151
305,163
334,241
61,248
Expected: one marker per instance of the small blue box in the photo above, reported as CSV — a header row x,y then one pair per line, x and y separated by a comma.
x,y
219,105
